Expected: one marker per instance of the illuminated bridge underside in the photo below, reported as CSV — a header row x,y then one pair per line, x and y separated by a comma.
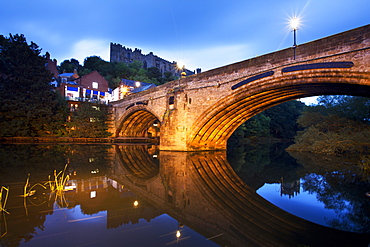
x,y
201,111
136,124
218,123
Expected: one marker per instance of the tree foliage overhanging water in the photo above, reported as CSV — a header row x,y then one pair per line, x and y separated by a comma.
x,y
339,124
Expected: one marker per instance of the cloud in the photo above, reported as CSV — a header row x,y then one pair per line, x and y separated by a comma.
x,y
89,47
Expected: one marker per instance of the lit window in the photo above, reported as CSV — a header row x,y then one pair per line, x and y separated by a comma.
x,y
95,84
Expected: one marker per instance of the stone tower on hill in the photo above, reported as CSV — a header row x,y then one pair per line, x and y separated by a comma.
x,y
119,53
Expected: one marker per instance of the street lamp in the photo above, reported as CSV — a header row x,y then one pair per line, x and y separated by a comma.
x,y
294,24
180,67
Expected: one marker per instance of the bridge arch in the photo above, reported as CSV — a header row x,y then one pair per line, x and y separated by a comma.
x,y
213,128
138,121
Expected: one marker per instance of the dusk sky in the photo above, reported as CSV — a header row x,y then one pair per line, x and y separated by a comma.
x,y
202,34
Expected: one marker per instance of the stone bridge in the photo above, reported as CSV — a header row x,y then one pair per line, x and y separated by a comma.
x,y
200,112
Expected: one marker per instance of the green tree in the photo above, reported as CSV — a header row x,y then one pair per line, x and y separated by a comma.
x,y
28,105
283,119
352,107
169,77
276,122
257,126
121,70
154,73
68,66
96,63
89,120
331,127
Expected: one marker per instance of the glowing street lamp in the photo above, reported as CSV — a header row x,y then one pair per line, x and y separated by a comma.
x,y
124,91
294,24
180,66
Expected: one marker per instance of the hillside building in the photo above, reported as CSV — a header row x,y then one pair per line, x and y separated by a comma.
x,y
119,53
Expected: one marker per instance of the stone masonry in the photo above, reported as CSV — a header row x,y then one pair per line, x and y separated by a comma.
x,y
201,111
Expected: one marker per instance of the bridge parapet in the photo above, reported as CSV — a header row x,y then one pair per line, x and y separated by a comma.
x,y
201,111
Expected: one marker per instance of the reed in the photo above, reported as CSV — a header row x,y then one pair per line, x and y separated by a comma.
x,y
4,193
4,227
57,186
31,191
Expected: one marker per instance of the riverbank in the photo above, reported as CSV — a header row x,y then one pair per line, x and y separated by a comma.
x,y
78,140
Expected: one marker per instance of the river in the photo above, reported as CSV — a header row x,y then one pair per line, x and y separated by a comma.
x,y
136,195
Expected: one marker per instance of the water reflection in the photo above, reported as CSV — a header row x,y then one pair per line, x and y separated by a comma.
x,y
200,191
337,183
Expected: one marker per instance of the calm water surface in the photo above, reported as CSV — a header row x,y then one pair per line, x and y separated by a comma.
x,y
327,190
102,195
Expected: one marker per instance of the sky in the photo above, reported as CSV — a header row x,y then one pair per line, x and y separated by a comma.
x,y
202,34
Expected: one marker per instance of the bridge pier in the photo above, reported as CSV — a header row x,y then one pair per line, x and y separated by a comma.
x,y
177,123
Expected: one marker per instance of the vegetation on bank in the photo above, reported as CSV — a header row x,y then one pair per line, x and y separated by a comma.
x,y
337,125
29,106
278,122
88,121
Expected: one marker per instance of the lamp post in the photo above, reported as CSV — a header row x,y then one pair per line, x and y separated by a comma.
x,y
294,23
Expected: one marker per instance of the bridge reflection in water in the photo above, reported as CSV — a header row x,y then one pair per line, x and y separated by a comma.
x,y
201,190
